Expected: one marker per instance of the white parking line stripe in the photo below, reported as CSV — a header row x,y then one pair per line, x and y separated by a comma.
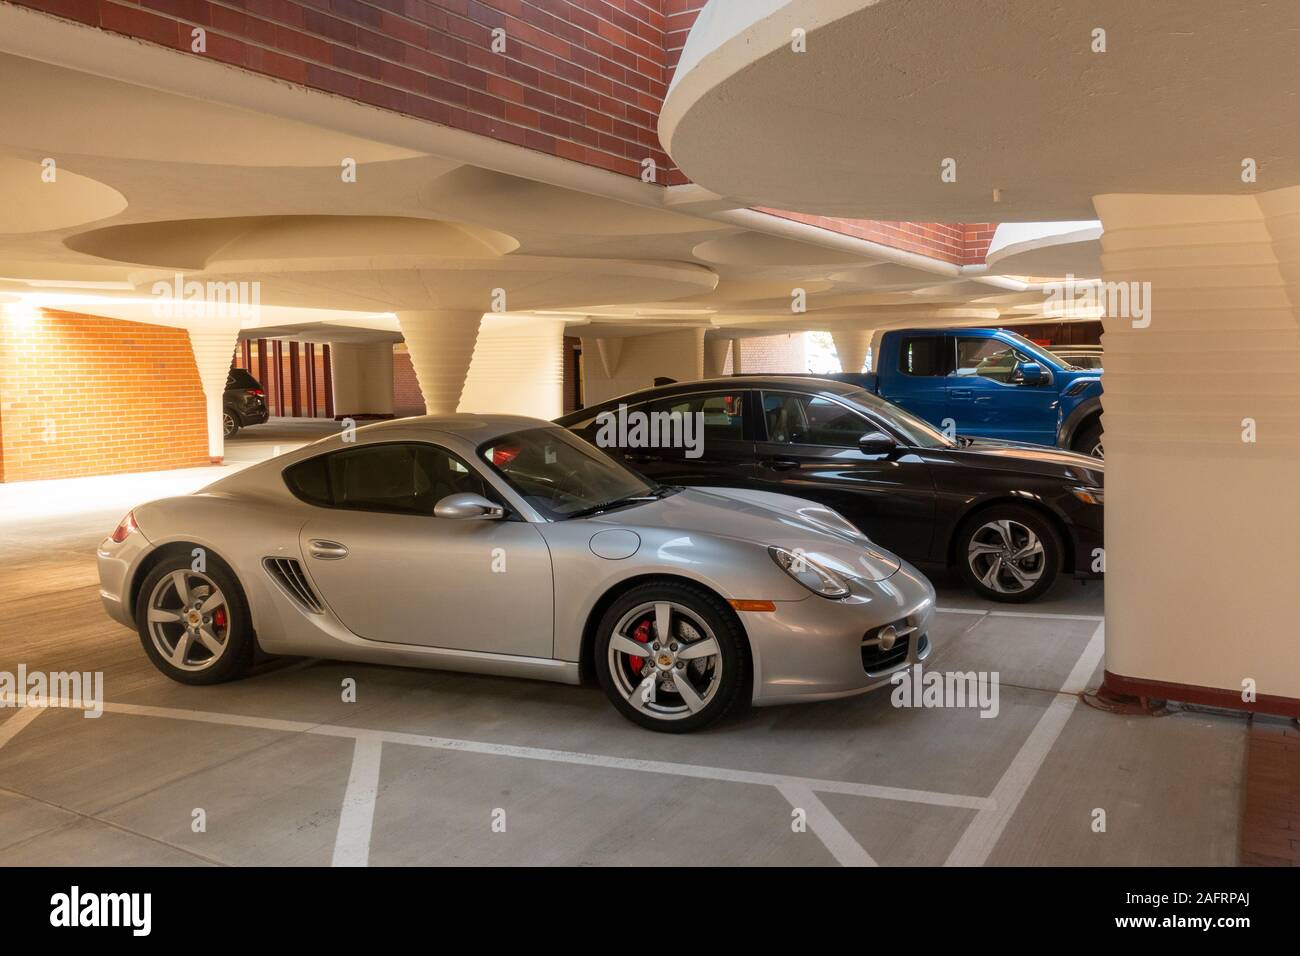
x,y
846,850
725,774
960,610
357,815
984,832
9,729
1047,615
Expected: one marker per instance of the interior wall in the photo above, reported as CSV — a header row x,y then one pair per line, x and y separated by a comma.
x,y
641,359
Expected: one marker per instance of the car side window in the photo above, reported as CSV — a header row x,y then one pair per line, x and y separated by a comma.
x,y
987,358
397,477
722,414
923,355
812,420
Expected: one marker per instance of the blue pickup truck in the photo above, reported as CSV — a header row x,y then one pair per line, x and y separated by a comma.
x,y
988,383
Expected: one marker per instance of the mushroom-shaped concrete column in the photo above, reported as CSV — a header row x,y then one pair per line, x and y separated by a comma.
x,y
214,347
852,345
441,343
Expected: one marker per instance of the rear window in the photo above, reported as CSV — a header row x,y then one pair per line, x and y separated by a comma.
x,y
240,378
402,478
923,355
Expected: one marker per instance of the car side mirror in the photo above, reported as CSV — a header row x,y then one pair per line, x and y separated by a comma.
x,y
1030,373
876,443
467,505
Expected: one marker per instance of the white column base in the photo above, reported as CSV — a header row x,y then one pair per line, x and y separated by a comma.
x,y
214,350
852,345
441,344
517,369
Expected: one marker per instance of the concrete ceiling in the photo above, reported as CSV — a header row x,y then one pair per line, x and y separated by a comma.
x,y
150,183
1038,124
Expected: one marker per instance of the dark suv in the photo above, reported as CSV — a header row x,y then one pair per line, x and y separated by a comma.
x,y
244,402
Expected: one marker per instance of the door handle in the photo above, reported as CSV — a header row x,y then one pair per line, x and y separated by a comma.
x,y
960,392
630,456
780,464
326,550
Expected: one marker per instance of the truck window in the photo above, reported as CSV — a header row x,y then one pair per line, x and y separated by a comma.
x,y
923,355
987,358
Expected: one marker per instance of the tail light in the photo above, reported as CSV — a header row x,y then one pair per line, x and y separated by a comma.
x,y
256,392
125,527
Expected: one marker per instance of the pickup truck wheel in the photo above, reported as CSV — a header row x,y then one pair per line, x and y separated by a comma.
x,y
1009,553
1089,441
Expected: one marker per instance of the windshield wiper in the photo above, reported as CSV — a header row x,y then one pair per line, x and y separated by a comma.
x,y
660,492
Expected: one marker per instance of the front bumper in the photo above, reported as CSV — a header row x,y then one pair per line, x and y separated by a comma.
x,y
812,649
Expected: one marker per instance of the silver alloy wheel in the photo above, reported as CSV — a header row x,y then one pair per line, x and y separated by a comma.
x,y
680,667
1006,556
189,622
1098,451
227,424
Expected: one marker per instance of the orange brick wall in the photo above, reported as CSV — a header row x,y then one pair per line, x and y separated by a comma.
x,y
82,395
407,397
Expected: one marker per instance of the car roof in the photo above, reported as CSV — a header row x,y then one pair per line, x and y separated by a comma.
x,y
805,382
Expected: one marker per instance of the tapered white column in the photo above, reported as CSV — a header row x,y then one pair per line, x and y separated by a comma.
x,y
214,350
441,344
852,345
1202,430
517,369
716,351
362,377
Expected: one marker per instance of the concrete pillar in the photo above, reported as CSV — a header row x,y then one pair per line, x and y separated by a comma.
x,y
517,369
852,345
678,355
737,356
214,350
610,350
1202,427
361,375
716,350
441,344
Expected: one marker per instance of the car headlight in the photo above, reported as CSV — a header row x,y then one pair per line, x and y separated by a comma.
x,y
809,573
1090,495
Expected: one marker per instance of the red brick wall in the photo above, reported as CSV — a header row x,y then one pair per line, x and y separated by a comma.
x,y
582,79
82,395
407,397
958,243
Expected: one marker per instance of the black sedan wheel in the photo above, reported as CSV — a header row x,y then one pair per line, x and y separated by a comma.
x,y
229,424
1009,553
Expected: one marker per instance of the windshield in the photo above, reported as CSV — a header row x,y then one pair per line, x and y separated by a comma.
x,y
561,475
1035,350
917,432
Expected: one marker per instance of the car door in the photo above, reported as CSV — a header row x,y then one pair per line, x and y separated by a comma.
x,y
985,400
810,450
393,572
920,382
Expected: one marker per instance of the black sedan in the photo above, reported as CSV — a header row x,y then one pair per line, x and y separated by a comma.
x,y
1010,517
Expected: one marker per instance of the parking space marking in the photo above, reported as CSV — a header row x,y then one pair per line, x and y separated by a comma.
x,y
841,844
356,816
1047,615
21,718
984,832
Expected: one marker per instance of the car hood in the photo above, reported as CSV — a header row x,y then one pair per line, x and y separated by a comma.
x,y
1035,459
764,519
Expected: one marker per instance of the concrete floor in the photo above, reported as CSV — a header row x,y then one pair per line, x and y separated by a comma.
x,y
422,765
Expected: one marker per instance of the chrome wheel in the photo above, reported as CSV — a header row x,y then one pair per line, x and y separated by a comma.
x,y
1097,451
665,660
188,620
1006,556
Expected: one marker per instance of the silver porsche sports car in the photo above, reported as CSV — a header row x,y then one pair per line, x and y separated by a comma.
x,y
505,545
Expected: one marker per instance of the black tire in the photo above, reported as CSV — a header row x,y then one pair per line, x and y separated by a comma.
x,y
1089,441
724,688
1031,519
230,424
239,642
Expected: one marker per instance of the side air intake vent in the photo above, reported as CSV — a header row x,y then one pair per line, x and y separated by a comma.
x,y
288,574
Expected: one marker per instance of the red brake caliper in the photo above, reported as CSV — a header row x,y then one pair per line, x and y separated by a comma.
x,y
641,634
219,618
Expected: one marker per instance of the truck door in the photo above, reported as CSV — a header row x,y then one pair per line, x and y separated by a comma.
x,y
917,379
986,401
